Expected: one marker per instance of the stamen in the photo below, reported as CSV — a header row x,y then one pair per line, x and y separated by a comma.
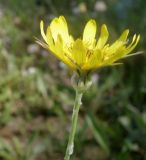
x,y
89,53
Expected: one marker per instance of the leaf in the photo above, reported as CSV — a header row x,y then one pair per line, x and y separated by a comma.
x,y
98,132
137,117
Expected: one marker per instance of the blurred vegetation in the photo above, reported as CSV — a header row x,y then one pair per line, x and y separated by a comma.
x,y
36,96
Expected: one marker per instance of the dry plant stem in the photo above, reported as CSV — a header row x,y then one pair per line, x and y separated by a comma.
x,y
70,146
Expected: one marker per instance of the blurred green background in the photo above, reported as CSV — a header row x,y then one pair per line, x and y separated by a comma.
x,y
36,96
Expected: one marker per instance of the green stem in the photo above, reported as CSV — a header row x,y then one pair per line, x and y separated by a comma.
x,y
70,146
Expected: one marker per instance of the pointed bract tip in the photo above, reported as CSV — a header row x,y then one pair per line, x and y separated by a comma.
x,y
92,21
41,23
104,28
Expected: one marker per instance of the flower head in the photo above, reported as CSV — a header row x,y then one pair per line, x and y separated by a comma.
x,y
85,54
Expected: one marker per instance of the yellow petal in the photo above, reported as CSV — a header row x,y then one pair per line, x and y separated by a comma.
x,y
50,41
122,51
59,26
111,50
133,40
111,58
42,30
94,61
62,54
122,40
103,37
79,52
133,45
124,35
89,31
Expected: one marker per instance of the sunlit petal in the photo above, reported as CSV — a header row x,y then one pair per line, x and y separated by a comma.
x,y
133,44
103,37
59,26
49,37
79,52
42,30
89,32
122,39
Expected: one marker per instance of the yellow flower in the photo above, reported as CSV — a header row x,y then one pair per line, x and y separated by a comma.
x,y
85,54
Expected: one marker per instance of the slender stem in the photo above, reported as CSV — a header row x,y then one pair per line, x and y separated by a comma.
x,y
70,146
